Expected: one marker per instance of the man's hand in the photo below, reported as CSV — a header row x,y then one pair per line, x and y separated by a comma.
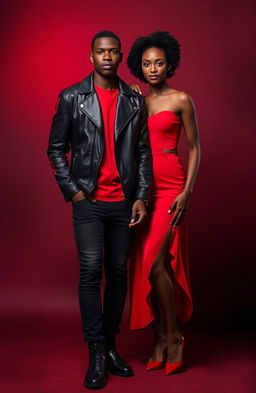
x,y
81,195
139,213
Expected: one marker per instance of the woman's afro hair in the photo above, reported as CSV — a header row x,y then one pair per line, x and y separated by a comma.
x,y
159,39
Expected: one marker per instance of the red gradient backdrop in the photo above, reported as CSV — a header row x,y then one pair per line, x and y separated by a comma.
x,y
45,47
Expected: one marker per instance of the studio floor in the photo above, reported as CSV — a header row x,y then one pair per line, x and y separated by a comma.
x,y
47,355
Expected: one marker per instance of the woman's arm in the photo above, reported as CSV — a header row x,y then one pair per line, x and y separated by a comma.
x,y
188,116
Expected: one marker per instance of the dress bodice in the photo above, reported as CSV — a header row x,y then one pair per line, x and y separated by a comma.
x,y
164,130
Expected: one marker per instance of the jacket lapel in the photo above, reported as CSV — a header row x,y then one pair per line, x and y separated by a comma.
x,y
124,112
91,107
90,104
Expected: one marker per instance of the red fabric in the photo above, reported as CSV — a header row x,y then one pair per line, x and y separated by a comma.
x,y
169,181
108,187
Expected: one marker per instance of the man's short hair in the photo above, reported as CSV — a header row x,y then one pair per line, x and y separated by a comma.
x,y
106,33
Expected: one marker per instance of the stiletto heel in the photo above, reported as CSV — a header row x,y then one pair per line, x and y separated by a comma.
x,y
173,368
157,365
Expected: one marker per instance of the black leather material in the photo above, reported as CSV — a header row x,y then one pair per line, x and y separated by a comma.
x,y
116,365
95,377
78,125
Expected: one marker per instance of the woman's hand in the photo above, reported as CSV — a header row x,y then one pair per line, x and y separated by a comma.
x,y
136,88
180,206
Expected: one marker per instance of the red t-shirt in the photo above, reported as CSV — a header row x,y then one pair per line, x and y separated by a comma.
x,y
108,187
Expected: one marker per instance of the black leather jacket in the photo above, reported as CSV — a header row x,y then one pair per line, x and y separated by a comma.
x,y
78,125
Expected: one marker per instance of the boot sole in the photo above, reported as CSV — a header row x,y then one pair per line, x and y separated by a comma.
x,y
94,386
120,374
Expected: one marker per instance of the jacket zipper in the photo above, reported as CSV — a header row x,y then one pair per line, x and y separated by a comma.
x,y
73,165
121,129
99,162
98,165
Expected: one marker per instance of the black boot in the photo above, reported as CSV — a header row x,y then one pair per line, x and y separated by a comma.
x,y
95,377
115,364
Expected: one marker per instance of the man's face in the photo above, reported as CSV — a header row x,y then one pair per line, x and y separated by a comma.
x,y
106,56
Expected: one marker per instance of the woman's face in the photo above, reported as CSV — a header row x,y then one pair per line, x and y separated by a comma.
x,y
154,65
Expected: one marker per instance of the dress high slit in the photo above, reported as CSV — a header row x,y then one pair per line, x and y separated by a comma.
x,y
169,181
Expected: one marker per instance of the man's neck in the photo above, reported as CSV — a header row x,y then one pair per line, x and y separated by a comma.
x,y
109,83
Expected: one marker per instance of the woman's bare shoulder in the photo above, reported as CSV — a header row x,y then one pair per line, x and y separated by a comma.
x,y
180,96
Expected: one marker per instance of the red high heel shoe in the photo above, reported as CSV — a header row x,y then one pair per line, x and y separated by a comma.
x,y
172,368
154,365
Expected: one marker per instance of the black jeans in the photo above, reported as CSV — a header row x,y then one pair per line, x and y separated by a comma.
x,y
102,238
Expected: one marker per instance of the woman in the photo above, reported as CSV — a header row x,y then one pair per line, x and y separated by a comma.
x,y
160,286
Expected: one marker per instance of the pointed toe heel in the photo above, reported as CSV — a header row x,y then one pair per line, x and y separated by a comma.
x,y
157,365
173,368
151,366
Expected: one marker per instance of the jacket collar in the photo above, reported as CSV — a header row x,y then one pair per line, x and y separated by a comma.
x,y
86,86
91,107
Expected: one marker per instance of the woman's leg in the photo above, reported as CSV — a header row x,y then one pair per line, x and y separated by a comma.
x,y
160,344
163,303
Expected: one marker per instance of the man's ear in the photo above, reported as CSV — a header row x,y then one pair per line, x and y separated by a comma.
x,y
121,57
91,58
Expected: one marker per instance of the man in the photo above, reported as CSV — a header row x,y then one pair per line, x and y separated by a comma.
x,y
104,123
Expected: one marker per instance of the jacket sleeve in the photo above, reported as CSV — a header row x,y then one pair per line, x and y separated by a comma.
x,y
59,146
144,171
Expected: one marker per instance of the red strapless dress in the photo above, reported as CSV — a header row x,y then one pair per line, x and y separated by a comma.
x,y
169,181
